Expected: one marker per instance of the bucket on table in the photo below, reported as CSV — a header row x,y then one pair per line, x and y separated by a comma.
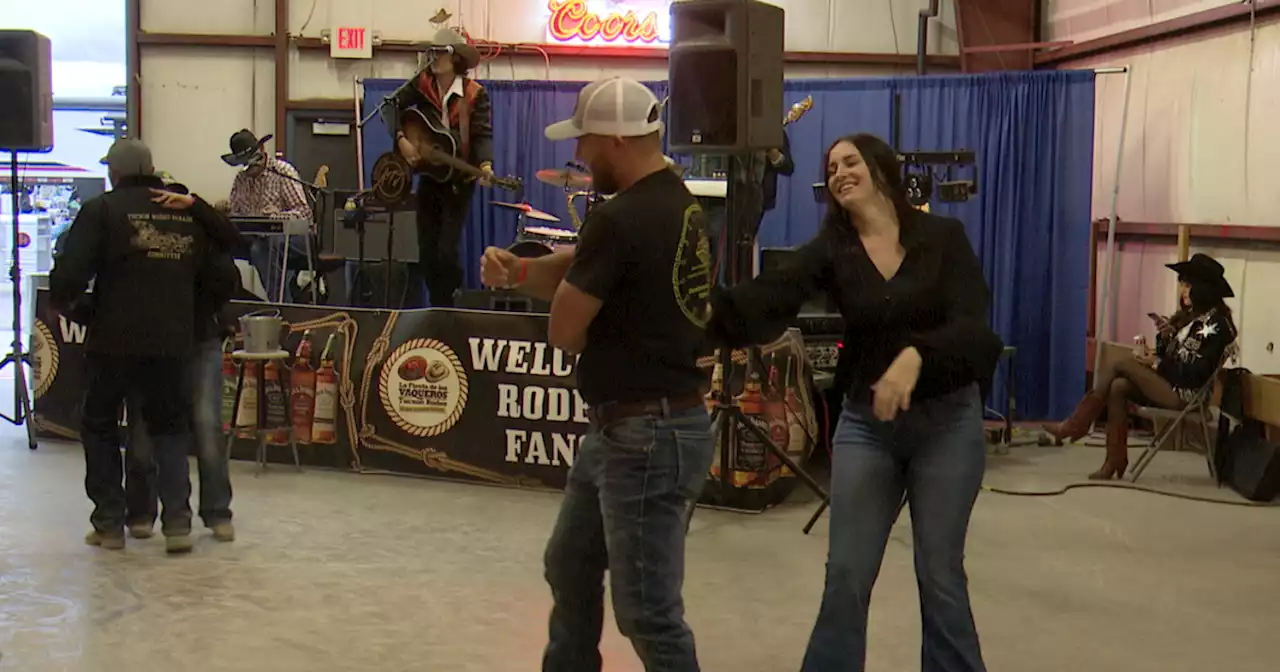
x,y
261,331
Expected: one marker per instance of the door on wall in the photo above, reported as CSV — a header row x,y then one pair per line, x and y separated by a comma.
x,y
324,138
1258,317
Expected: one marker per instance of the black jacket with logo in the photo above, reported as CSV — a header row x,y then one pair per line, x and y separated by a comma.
x,y
153,270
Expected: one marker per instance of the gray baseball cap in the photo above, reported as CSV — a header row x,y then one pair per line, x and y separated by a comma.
x,y
615,106
129,158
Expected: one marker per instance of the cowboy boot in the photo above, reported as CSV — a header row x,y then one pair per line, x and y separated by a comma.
x,y
1081,421
1117,451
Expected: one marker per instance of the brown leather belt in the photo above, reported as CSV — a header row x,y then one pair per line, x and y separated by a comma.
x,y
614,411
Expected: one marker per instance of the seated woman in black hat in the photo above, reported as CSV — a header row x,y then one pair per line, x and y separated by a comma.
x,y
1190,346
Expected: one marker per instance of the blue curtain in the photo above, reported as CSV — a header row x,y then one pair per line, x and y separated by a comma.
x,y
1029,222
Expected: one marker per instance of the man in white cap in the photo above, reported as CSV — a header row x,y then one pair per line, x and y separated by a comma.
x,y
633,299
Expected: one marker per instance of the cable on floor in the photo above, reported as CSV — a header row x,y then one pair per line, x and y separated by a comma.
x,y
1124,486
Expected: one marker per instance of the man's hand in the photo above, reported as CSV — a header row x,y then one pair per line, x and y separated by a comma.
x,y
487,169
408,151
173,201
774,156
500,268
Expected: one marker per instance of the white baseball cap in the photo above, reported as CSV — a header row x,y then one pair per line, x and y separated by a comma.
x,y
615,106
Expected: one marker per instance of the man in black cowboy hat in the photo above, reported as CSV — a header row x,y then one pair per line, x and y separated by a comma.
x,y
445,93
267,187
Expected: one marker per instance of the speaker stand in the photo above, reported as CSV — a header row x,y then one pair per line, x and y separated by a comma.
x,y
18,357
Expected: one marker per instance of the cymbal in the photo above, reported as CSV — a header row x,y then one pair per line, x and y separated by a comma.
x,y
528,211
564,178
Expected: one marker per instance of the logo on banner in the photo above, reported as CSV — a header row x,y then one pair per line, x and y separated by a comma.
x,y
424,387
44,358
637,23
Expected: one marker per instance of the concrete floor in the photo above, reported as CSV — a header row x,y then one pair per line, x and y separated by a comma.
x,y
335,571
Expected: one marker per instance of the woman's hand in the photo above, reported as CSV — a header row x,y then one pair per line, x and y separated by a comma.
x,y
173,201
893,390
1148,360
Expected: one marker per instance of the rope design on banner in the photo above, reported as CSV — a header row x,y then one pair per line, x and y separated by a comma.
x,y
431,457
46,336
384,388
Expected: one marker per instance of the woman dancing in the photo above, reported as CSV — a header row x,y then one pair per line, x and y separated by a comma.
x,y
1189,348
917,350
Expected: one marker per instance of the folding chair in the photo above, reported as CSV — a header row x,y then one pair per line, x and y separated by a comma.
x,y
1196,412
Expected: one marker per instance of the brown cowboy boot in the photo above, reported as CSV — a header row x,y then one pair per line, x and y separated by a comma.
x,y
1081,421
1117,452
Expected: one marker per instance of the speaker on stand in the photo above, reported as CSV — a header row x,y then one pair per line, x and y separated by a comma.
x,y
26,125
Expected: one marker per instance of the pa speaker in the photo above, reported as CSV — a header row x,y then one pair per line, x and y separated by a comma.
x,y
725,77
26,89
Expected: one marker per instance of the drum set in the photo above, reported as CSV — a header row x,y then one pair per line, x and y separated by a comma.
x,y
536,233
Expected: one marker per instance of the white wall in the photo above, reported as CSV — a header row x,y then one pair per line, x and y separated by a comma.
x,y
194,98
1200,148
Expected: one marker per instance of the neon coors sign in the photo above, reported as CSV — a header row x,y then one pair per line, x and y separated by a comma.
x,y
639,23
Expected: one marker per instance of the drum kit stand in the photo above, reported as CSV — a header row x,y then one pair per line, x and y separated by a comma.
x,y
540,240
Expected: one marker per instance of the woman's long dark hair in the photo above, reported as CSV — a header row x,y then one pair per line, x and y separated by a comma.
x,y
1204,298
886,175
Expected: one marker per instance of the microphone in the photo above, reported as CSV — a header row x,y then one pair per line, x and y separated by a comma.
x,y
440,49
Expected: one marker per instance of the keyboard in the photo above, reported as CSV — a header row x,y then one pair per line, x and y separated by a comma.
x,y
267,226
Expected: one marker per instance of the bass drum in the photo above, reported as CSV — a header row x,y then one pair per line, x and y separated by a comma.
x,y
530,249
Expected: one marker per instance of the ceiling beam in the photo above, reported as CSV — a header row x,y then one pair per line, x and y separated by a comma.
x,y
281,44
1191,24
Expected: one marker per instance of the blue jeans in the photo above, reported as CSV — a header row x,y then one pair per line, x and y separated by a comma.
x,y
934,456
204,376
626,509
265,253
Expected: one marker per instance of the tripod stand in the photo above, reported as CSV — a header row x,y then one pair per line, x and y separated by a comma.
x,y
18,357
743,214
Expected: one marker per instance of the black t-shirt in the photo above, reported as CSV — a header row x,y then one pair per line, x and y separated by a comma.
x,y
646,256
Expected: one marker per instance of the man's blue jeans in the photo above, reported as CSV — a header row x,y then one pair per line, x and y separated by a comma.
x,y
626,508
934,455
204,375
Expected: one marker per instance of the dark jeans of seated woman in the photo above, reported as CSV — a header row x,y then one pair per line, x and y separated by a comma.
x,y
1122,381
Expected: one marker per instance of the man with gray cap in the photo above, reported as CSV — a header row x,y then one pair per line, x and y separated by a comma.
x,y
633,299
149,265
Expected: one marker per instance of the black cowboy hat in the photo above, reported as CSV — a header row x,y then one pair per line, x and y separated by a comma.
x,y
1206,269
244,144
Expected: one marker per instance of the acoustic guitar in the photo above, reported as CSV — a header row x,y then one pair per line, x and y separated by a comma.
x,y
439,152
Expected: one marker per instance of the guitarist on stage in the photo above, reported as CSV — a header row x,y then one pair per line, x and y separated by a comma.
x,y
444,92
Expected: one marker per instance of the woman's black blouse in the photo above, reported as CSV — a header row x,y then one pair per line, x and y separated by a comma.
x,y
937,301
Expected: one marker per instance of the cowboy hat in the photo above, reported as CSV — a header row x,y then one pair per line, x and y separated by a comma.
x,y
244,144
450,38
1207,270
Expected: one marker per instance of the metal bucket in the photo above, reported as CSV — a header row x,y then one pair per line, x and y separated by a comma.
x,y
261,331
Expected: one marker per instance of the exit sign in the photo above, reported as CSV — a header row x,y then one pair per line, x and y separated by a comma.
x,y
351,42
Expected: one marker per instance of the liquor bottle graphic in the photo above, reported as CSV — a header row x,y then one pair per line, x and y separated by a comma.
x,y
324,423
302,398
749,462
229,376
775,410
798,436
247,412
277,420
713,398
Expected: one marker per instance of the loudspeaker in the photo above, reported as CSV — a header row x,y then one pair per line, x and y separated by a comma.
x,y
26,89
725,77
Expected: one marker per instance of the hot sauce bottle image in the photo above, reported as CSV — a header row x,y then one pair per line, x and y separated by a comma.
x,y
302,382
324,423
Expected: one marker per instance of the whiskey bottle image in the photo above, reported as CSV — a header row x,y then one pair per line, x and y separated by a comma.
x,y
247,412
775,410
749,457
302,398
712,398
798,436
324,423
277,407
230,373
